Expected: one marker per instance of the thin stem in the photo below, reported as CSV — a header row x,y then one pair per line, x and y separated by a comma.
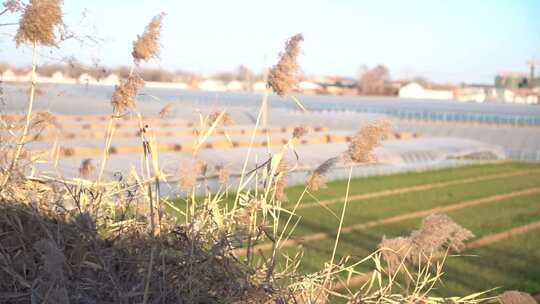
x,y
22,140
250,147
340,227
110,133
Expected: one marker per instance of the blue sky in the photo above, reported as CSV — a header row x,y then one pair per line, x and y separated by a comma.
x,y
453,40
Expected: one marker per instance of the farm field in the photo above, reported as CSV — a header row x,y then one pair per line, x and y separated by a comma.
x,y
499,203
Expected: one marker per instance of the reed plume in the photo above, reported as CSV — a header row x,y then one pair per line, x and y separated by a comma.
x,y
166,110
87,168
188,172
226,119
299,132
223,174
317,179
282,76
368,138
38,22
12,5
516,297
437,236
146,46
124,95
281,180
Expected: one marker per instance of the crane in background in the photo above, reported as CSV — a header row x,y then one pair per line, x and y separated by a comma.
x,y
532,63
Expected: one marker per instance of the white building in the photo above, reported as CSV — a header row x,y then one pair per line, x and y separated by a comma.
x,y
86,79
212,85
259,86
308,86
111,80
415,91
235,85
470,94
9,76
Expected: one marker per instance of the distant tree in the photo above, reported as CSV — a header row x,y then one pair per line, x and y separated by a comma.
x,y
225,76
374,81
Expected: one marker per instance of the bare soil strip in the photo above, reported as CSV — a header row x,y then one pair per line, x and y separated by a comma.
x,y
481,242
492,238
418,188
401,217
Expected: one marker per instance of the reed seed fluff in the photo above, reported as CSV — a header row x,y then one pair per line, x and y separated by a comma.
x,y
282,76
147,46
38,22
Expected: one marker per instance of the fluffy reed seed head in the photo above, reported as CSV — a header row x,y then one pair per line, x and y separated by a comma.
x,y
438,235
124,95
317,179
516,297
299,132
87,168
188,172
282,76
223,174
43,120
366,139
396,250
226,119
147,45
12,5
38,22
166,110
281,180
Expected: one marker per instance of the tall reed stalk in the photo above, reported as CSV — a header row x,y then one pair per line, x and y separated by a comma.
x,y
22,139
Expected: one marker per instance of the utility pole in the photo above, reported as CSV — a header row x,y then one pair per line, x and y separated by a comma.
x,y
532,63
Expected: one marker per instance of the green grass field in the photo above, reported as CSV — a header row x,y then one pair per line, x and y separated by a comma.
x,y
510,263
470,195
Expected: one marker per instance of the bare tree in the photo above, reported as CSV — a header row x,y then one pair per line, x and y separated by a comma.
x,y
374,81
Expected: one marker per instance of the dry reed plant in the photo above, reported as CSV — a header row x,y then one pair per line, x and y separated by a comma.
x,y
281,180
12,5
166,110
225,118
87,168
146,46
362,144
188,172
437,236
123,97
38,22
317,179
299,132
36,27
282,76
223,173
516,297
